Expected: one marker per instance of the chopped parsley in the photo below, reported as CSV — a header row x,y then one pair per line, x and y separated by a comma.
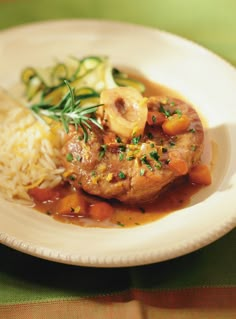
x,y
121,156
145,161
193,148
149,135
192,130
130,158
122,148
163,110
142,172
136,139
164,150
121,175
120,224
172,143
118,139
154,119
178,112
102,152
69,157
159,165
154,155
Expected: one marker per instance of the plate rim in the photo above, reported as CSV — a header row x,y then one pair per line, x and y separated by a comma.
x,y
134,260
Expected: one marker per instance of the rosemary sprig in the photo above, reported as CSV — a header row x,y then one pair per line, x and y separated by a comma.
x,y
68,111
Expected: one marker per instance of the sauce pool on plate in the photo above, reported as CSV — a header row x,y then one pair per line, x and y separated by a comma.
x,y
172,198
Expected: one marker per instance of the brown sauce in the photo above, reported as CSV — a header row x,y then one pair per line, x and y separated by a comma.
x,y
177,196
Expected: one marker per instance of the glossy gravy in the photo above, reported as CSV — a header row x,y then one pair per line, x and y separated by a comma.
x,y
175,197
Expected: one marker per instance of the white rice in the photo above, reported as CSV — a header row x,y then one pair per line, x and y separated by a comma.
x,y
29,152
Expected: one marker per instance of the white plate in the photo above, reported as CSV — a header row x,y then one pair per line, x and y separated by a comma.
x,y
202,77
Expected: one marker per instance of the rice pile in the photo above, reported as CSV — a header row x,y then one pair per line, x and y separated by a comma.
x,y
29,152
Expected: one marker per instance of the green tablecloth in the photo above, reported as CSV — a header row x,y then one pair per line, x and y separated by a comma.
x,y
207,22
198,285
204,280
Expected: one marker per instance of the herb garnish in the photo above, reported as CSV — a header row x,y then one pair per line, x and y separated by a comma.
x,y
121,156
121,175
136,139
69,157
154,155
172,143
158,165
193,148
102,152
145,161
142,172
130,158
178,112
122,148
68,111
163,110
149,135
120,224
118,139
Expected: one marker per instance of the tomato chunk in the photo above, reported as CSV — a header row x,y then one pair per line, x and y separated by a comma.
x,y
177,164
44,194
72,203
101,211
176,124
109,137
200,174
155,118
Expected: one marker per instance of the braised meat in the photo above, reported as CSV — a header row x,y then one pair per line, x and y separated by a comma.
x,y
134,169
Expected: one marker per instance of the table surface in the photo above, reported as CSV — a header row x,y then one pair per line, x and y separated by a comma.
x,y
199,285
